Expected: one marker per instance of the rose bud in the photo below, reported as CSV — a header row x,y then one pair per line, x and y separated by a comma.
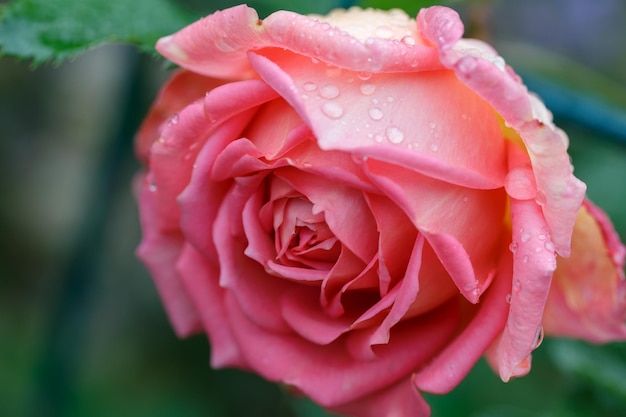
x,y
361,205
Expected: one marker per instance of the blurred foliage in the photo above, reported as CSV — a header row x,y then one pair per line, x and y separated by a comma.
x,y
82,331
44,30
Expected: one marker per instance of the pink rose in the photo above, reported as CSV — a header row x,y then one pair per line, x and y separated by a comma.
x,y
361,205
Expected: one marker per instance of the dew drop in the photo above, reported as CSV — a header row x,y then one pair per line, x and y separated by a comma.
x,y
408,40
513,247
525,237
539,339
375,113
332,110
389,99
542,237
368,89
379,138
434,147
467,64
329,91
517,285
174,119
309,86
394,134
525,259
508,298
499,63
549,246
364,76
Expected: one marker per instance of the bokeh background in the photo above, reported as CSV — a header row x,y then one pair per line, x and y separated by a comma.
x,y
82,331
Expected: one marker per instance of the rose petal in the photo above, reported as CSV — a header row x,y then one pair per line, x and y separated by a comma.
x,y
217,44
159,252
200,278
588,295
377,117
401,399
434,206
533,266
328,374
182,88
345,210
449,368
257,293
559,192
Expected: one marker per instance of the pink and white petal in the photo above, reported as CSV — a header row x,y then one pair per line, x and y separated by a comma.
x,y
159,251
400,399
533,265
449,368
559,192
216,46
200,277
328,374
377,117
182,88
588,295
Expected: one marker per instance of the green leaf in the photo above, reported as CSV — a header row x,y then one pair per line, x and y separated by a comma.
x,y
44,30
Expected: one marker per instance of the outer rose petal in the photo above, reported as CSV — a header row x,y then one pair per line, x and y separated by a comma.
x,y
399,400
159,252
534,264
559,192
588,295
449,368
217,45
182,88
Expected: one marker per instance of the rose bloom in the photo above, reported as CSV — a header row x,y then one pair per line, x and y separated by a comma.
x,y
361,205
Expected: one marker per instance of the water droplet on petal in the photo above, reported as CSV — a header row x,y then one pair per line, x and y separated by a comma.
x,y
434,147
467,64
525,237
517,285
408,40
332,110
329,91
174,119
364,76
539,338
549,246
379,138
525,259
513,247
394,134
368,89
508,298
309,86
375,113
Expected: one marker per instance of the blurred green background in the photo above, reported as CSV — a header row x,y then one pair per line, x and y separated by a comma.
x,y
82,331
